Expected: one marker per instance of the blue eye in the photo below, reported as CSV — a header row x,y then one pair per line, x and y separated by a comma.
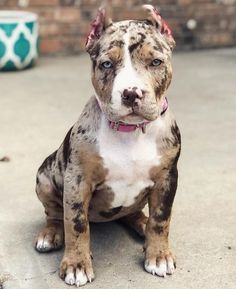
x,y
107,64
156,62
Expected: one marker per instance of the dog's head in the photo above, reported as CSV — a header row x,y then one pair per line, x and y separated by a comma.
x,y
131,65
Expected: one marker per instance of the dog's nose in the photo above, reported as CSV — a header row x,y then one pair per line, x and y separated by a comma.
x,y
131,95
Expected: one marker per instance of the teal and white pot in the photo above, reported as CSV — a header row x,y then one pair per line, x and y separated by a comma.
x,y
19,37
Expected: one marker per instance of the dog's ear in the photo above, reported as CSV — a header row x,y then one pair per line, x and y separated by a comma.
x,y
160,24
102,21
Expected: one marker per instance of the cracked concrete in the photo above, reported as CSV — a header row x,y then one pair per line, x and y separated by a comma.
x,y
38,106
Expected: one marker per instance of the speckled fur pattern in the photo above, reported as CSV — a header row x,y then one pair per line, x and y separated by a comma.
x,y
99,174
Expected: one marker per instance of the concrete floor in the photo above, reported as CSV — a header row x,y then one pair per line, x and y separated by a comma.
x,y
38,106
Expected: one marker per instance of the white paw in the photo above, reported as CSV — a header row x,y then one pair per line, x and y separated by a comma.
x,y
43,245
70,278
79,278
163,267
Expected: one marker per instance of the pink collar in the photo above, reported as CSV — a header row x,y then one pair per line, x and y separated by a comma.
x,y
125,127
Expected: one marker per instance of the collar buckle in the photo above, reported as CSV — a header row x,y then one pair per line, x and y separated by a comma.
x,y
116,126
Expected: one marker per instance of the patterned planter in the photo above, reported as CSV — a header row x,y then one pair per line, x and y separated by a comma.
x,y
19,39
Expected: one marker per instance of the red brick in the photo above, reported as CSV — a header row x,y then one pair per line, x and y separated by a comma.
x,y
184,2
214,40
67,14
43,2
8,3
49,29
45,14
93,3
67,2
50,46
71,45
70,29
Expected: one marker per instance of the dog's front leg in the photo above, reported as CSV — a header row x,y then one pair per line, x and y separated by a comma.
x,y
158,258
76,266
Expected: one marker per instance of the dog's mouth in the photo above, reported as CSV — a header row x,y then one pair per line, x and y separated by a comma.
x,y
133,118
134,114
137,112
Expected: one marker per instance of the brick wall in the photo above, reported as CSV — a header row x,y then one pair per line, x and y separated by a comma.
x,y
196,23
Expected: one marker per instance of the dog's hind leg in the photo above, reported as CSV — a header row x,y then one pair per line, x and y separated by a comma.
x,y
137,221
51,236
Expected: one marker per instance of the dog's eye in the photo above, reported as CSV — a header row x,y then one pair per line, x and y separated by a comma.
x,y
107,64
156,62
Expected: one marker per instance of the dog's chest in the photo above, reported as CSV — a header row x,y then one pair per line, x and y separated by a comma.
x,y
128,157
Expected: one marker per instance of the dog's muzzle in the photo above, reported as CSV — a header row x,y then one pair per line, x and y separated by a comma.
x,y
125,127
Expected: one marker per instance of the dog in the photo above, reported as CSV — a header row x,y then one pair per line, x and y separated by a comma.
x,y
121,154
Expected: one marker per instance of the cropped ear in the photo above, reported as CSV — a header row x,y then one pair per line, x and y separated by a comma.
x,y
160,24
102,21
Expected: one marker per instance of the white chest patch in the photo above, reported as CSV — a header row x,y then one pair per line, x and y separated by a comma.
x,y
128,158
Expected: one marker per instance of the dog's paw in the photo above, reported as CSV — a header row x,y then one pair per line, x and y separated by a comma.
x,y
76,272
160,266
50,238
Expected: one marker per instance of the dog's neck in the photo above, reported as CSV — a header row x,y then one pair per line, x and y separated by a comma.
x,y
126,127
